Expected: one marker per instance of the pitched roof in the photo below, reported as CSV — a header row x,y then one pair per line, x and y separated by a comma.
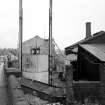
x,y
96,38
97,50
32,39
85,40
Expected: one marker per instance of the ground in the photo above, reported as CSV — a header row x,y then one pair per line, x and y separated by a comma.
x,y
3,95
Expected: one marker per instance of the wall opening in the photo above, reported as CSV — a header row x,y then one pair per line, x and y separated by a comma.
x,y
86,68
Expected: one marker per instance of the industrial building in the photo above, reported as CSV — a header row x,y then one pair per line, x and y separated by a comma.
x,y
35,63
88,68
35,59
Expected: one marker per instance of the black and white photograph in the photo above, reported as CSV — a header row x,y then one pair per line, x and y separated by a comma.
x,y
52,52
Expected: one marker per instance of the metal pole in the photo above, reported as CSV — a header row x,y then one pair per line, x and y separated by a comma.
x,y
20,33
50,42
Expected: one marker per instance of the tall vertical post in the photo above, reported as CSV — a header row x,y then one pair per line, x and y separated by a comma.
x,y
20,33
50,42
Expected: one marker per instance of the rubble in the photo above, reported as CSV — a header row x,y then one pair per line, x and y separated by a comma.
x,y
34,100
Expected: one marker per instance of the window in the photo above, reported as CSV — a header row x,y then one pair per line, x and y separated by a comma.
x,y
35,51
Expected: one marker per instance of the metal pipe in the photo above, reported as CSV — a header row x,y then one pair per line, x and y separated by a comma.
x,y
20,33
50,42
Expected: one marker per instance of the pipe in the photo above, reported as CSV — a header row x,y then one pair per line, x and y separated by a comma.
x,y
20,33
50,42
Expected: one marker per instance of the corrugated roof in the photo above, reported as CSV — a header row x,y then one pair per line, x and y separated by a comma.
x,y
85,40
98,50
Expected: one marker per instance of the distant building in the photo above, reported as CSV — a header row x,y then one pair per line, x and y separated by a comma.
x,y
3,58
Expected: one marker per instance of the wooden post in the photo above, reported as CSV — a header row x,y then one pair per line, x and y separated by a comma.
x,y
20,33
50,42
69,85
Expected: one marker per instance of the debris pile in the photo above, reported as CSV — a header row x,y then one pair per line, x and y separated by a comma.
x,y
34,100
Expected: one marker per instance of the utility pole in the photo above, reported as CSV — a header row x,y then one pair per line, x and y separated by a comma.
x,y
20,33
50,42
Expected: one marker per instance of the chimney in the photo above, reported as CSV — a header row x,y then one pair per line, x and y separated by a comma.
x,y
88,29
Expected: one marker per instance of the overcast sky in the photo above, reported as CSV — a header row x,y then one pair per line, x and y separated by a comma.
x,y
69,18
